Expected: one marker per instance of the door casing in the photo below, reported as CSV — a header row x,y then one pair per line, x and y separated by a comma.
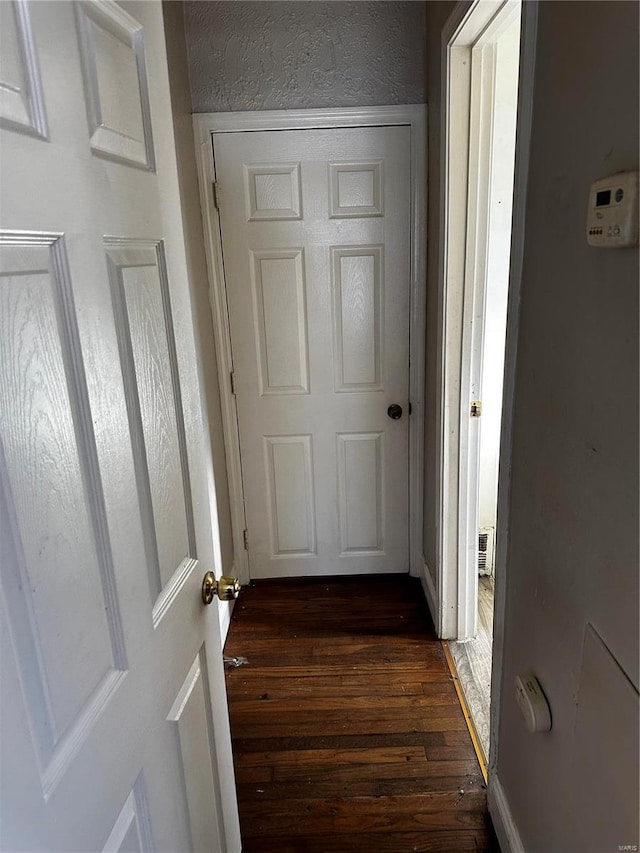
x,y
449,520
468,50
205,125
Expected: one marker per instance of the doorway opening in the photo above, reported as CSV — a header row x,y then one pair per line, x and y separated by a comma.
x,y
483,56
221,134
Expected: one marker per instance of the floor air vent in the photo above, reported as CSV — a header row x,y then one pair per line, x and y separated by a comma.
x,y
486,538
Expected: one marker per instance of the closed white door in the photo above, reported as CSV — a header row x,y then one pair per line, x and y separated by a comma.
x,y
114,733
315,234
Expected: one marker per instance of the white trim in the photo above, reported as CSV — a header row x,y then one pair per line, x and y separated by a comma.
x,y
503,822
505,826
225,612
482,107
218,302
430,593
237,122
446,492
528,38
466,41
414,116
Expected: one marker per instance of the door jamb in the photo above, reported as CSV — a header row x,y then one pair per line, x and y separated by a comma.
x,y
415,117
447,568
463,238
498,807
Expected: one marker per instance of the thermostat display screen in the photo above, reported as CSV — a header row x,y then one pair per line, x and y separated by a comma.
x,y
612,214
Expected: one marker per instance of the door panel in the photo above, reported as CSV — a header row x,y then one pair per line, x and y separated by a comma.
x,y
281,321
105,519
191,714
360,490
132,830
54,505
358,305
139,288
115,79
289,463
315,234
21,100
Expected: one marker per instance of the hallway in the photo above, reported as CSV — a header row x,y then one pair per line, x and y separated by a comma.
x,y
347,731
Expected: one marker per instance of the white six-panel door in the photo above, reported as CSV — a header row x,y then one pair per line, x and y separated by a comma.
x,y
316,245
113,724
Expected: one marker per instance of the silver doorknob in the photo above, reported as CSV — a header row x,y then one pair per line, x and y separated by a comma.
x,y
225,588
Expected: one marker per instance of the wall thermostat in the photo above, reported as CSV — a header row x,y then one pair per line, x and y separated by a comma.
x,y
612,219
532,703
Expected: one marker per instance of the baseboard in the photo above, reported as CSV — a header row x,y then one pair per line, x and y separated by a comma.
x,y
430,592
225,609
503,821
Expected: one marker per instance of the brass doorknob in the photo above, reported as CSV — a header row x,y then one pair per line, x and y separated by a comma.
x,y
225,588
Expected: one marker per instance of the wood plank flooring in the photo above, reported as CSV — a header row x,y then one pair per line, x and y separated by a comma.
x,y
347,731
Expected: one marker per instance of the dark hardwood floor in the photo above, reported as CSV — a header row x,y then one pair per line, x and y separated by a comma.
x,y
347,731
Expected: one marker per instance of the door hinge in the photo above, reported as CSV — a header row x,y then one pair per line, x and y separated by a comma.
x,y
245,537
216,194
232,379
476,409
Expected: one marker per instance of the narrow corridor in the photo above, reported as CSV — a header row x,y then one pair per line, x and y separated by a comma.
x,y
347,731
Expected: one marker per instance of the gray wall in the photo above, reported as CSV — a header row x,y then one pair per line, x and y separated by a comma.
x,y
194,240
286,55
573,552
573,546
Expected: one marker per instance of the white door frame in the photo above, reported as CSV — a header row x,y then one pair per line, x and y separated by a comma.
x,y
413,116
468,40
451,251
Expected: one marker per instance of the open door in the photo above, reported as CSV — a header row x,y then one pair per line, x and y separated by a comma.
x,y
479,141
114,730
481,108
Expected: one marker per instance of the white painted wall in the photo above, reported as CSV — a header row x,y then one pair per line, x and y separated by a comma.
x,y
501,192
